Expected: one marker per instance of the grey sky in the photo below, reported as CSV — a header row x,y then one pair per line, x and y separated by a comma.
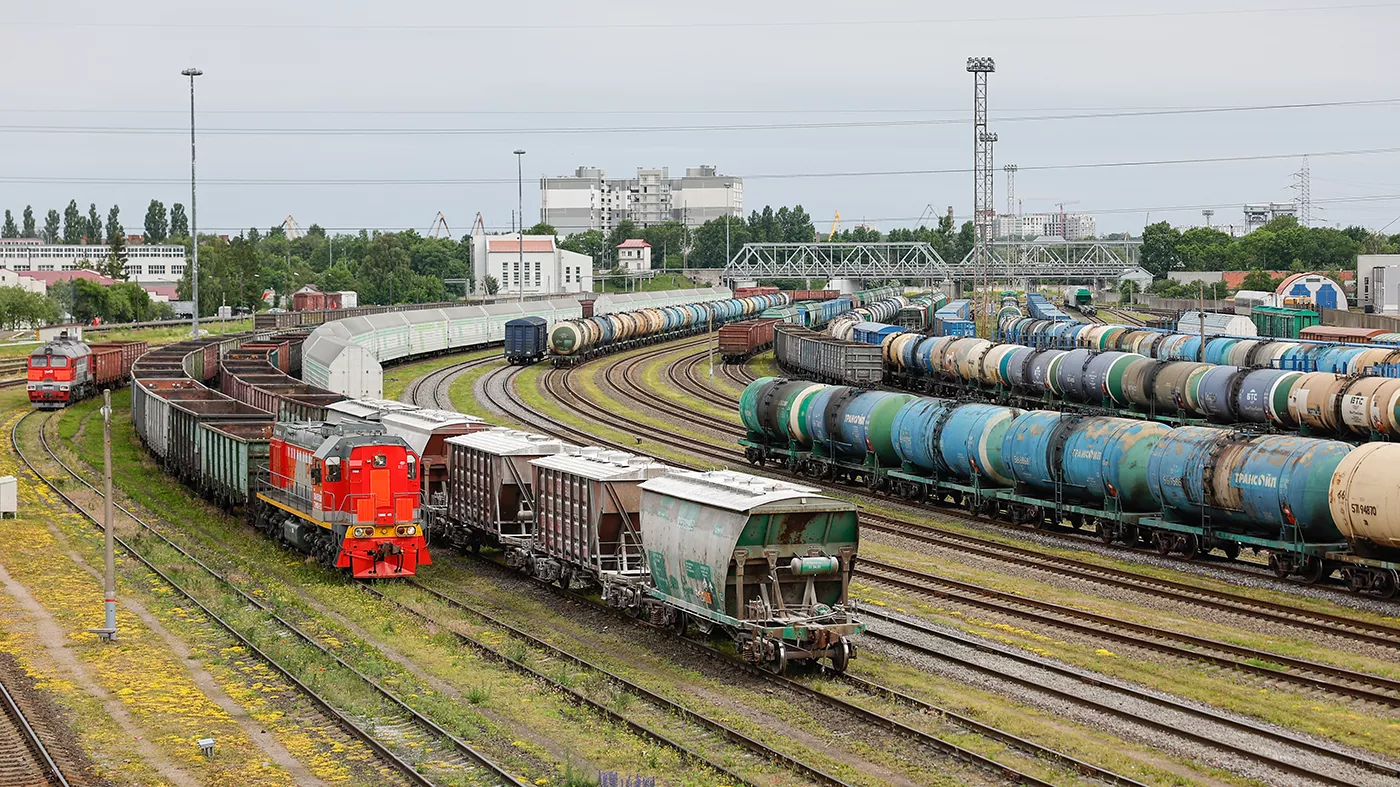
x,y
374,65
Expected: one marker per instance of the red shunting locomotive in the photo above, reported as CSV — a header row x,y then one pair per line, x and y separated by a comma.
x,y
348,494
67,369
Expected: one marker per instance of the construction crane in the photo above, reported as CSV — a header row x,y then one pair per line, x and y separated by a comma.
x,y
292,228
440,225
835,225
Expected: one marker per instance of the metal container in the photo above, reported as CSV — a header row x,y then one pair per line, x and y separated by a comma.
x,y
1315,401
994,362
967,362
1369,404
1259,485
1137,382
1263,397
768,404
1103,376
1038,371
937,435
1090,460
1067,375
1363,497
1213,392
853,424
1015,367
1171,388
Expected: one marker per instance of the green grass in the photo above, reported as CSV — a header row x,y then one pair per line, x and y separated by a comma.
x,y
662,281
397,378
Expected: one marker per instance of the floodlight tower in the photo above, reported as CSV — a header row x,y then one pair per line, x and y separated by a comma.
x,y
982,177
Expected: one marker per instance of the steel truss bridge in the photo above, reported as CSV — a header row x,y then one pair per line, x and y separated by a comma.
x,y
1009,260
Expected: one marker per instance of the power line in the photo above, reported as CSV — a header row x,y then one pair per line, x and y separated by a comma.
x,y
340,131
755,176
689,24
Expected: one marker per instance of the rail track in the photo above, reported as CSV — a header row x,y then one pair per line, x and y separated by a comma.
x,y
1303,675
555,380
24,757
560,655
407,728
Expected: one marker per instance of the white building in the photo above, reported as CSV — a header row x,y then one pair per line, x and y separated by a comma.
x,y
588,199
532,265
1070,226
634,254
9,278
145,263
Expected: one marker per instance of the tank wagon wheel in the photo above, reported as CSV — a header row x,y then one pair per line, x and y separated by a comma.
x,y
1314,570
1191,546
1231,550
1352,579
1104,529
1280,568
680,624
1164,542
1388,584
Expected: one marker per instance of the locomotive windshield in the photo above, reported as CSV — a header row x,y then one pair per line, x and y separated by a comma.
x,y
38,361
58,362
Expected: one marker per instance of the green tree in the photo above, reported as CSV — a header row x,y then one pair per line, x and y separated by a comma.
x,y
795,225
157,226
28,231
114,225
179,222
115,264
10,230
89,300
1159,254
73,223
542,229
53,227
1205,249
20,308
490,285
93,230
1258,280
1127,288
592,243
709,241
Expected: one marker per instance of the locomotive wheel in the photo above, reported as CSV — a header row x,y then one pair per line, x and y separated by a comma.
x,y
842,657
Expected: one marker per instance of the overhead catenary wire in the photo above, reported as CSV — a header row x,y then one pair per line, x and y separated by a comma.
x,y
341,131
688,24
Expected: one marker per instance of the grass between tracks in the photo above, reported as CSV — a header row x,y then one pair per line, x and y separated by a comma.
x,y
1329,718
528,727
653,378
139,670
397,378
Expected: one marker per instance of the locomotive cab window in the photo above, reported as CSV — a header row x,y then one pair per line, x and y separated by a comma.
x,y
380,460
58,362
38,362
333,469
412,466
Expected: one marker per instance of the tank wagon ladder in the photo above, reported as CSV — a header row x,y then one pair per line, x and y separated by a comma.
x,y
341,718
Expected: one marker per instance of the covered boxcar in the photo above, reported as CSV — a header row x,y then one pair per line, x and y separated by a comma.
x,y
491,494
739,341
526,340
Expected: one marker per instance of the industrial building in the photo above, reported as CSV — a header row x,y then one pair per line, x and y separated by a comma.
x,y
532,265
1258,214
1070,226
145,263
1378,282
589,200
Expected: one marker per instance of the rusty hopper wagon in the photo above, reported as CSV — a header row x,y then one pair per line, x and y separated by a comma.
x,y
490,489
587,510
768,562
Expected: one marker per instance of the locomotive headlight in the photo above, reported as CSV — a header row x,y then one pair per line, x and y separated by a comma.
x,y
363,532
407,530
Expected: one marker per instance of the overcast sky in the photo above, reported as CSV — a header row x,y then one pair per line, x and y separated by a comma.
x,y
98,111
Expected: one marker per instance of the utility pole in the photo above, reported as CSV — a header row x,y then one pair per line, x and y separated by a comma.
x,y
194,214
520,208
108,632
1304,189
728,214
1201,312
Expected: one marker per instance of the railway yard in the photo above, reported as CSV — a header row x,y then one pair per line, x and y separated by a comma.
x,y
968,643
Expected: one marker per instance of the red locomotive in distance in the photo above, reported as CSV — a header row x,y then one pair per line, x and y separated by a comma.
x,y
66,369
348,494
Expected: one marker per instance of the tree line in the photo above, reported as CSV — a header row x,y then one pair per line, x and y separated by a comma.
x,y
73,227
1281,245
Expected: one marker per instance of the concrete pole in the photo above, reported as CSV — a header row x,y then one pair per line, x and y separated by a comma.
x,y
108,632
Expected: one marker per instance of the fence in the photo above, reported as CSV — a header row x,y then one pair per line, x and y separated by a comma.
x,y
1347,319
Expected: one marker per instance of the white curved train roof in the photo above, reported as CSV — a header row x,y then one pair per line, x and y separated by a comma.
x,y
347,356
